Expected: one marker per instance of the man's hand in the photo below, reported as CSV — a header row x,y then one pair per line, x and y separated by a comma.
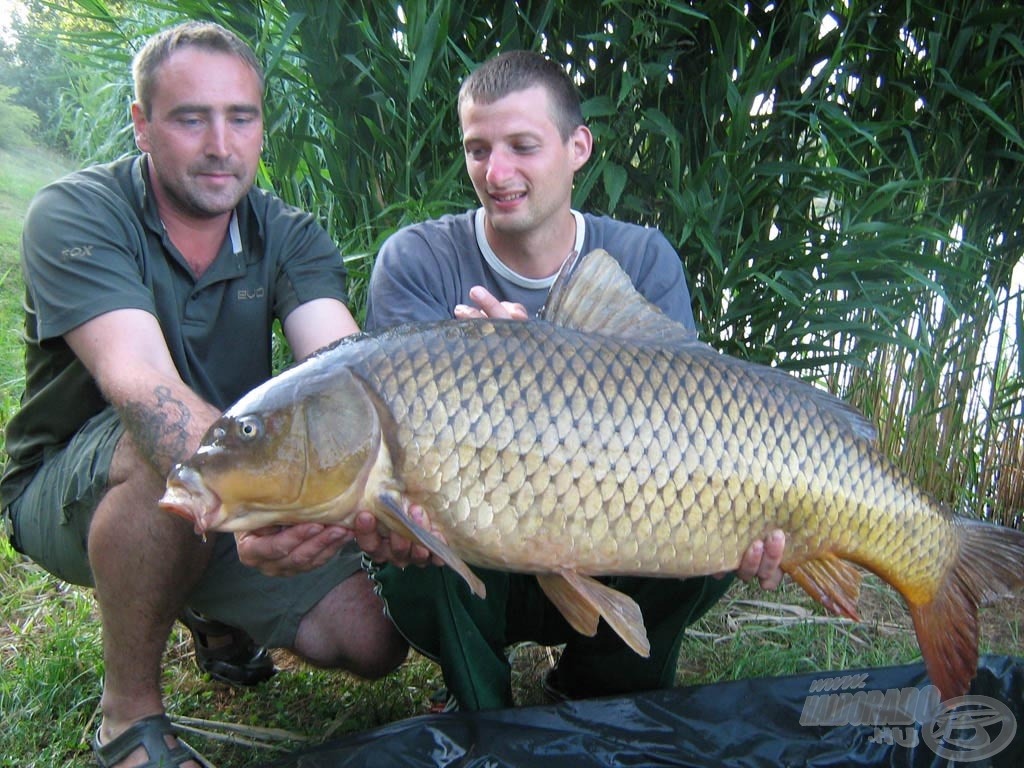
x,y
762,559
489,306
291,549
385,546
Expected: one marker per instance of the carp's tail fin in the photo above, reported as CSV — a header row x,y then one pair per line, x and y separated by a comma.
x,y
989,564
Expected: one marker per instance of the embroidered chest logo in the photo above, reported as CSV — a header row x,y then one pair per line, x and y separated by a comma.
x,y
77,252
248,294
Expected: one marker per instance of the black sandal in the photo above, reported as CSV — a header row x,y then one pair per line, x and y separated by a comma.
x,y
238,662
148,733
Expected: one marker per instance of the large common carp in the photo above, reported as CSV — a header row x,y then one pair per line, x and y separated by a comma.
x,y
601,439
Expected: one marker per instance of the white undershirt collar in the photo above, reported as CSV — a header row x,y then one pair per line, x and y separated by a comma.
x,y
502,269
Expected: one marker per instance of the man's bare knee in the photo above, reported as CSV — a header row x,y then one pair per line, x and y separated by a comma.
x,y
348,629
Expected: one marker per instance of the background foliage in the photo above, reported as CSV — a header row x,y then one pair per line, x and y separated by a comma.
x,y
843,180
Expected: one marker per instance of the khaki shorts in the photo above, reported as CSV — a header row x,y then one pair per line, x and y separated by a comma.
x,y
51,524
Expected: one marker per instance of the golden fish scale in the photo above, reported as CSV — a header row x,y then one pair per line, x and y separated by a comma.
x,y
535,447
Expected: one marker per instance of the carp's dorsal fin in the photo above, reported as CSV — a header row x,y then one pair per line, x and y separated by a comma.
x,y
581,599
832,581
393,513
592,293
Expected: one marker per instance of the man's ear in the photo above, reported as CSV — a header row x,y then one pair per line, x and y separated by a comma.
x,y
140,125
581,144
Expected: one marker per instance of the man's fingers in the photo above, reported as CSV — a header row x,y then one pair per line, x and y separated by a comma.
x,y
762,561
487,305
486,302
465,312
769,574
290,550
384,546
751,561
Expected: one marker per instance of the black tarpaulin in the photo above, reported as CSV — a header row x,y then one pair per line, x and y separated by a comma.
x,y
844,718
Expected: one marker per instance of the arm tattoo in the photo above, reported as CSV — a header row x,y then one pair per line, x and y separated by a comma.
x,y
160,432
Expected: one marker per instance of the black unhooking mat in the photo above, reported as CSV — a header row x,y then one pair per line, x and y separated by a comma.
x,y
866,717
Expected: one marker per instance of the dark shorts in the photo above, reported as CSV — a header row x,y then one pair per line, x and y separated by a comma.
x,y
51,523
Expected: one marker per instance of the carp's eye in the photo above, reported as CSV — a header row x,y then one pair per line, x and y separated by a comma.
x,y
249,428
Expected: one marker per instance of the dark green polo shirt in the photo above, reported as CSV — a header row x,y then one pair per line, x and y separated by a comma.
x,y
93,242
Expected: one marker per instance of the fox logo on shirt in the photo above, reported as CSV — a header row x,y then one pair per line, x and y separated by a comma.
x,y
76,252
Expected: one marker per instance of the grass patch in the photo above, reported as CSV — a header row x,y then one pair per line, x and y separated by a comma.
x,y
50,654
753,633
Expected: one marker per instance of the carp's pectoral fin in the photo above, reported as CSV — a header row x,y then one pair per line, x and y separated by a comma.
x,y
832,581
582,599
397,519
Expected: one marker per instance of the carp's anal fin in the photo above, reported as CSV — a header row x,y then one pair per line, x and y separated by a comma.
x,y
582,599
832,581
395,517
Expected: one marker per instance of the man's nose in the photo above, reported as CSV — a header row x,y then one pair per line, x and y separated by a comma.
x,y
217,143
499,167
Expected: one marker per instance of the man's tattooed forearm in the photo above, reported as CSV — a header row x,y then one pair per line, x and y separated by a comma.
x,y
161,432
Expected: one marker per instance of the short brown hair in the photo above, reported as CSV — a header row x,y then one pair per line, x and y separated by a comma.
x,y
518,70
199,34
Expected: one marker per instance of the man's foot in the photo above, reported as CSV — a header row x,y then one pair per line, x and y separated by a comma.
x,y
151,739
226,653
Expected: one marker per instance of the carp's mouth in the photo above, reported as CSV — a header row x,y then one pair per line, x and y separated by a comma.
x,y
187,496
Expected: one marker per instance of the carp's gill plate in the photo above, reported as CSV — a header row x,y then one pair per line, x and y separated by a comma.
x,y
601,439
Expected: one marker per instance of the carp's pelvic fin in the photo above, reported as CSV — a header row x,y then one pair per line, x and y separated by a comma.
x,y
582,600
394,515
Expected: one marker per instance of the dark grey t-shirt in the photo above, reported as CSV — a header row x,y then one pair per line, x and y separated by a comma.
x,y
424,270
93,242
